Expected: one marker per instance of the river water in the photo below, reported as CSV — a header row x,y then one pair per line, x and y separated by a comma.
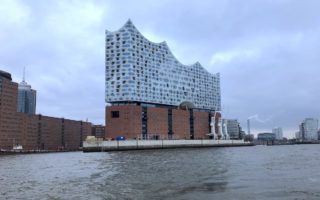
x,y
260,172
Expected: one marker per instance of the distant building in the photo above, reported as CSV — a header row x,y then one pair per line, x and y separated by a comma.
x,y
233,128
242,134
266,136
278,132
98,131
298,136
224,129
26,98
308,129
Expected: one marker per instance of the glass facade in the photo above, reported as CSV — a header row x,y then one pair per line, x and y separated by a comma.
x,y
26,99
138,70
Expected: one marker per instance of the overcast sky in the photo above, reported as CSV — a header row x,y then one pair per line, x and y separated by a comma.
x,y
268,52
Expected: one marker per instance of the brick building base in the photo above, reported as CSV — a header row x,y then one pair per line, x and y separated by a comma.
x,y
134,122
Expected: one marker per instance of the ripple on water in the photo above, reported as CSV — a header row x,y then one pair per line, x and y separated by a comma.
x,y
279,172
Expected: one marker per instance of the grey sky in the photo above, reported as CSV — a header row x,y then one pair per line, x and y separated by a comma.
x,y
266,51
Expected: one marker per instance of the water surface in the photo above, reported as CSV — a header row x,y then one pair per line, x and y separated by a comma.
x,y
260,172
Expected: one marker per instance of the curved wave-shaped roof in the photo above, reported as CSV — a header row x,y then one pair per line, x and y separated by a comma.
x,y
129,25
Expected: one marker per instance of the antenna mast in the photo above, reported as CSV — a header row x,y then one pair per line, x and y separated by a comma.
x,y
24,74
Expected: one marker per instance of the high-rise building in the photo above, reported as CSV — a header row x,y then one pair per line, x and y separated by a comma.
x,y
308,129
278,133
153,95
26,98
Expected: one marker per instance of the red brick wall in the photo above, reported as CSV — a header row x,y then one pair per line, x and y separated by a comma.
x,y
9,123
50,133
201,125
128,124
158,122
98,131
23,129
28,130
72,134
86,130
181,124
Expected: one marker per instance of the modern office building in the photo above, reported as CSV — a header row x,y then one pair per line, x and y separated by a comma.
x,y
153,95
308,129
266,136
278,133
233,128
26,98
34,132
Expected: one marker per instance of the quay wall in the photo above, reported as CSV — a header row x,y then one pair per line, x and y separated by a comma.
x,y
98,146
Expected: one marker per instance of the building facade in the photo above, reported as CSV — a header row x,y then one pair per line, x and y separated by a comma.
x,y
266,136
98,131
308,129
138,70
233,128
278,133
224,128
9,123
35,132
26,98
153,95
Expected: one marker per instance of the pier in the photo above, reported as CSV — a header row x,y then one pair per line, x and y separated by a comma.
x,y
98,146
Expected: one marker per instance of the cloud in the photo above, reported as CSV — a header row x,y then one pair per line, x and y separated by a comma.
x,y
13,12
267,52
227,57
258,119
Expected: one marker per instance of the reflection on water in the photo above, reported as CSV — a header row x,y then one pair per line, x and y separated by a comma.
x,y
261,172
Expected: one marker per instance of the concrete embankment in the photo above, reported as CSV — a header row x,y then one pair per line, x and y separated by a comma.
x,y
98,146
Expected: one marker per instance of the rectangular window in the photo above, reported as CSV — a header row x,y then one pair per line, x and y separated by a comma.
x,y
115,114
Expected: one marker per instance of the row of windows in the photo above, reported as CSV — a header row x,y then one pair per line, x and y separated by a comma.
x,y
145,69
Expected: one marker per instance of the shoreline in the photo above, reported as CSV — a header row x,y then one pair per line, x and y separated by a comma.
x,y
128,145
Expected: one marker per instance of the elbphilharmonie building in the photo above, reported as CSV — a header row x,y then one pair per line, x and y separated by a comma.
x,y
150,94
138,70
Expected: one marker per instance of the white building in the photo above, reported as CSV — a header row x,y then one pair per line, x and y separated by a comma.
x,y
308,129
233,128
278,133
224,129
138,70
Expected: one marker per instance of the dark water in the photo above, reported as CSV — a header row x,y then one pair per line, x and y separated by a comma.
x,y
260,172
